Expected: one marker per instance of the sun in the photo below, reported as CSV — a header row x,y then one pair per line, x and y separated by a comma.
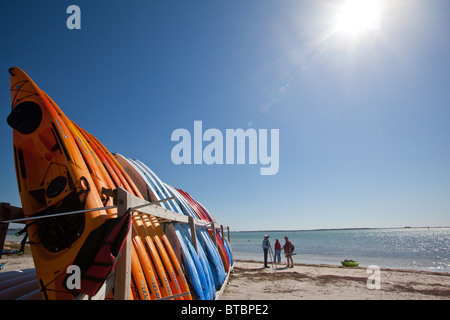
x,y
357,16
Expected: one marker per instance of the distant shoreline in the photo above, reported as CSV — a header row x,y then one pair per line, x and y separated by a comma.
x,y
337,229
321,229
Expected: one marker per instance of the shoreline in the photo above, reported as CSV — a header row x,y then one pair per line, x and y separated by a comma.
x,y
424,249
339,229
251,281
327,261
325,265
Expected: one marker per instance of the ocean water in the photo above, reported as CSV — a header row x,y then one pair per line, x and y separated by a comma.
x,y
11,235
406,248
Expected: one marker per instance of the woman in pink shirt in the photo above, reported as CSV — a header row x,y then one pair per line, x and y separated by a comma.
x,y
277,247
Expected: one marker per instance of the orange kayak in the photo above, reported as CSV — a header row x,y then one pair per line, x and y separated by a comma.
x,y
165,263
52,178
61,168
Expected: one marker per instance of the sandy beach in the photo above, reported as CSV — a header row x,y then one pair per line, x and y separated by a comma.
x,y
250,281
15,262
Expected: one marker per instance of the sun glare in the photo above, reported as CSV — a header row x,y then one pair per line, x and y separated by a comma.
x,y
356,16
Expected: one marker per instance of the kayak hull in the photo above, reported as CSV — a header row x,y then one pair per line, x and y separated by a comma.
x,y
52,178
350,263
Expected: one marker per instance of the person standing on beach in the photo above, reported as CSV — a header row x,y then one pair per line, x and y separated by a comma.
x,y
277,248
266,246
288,253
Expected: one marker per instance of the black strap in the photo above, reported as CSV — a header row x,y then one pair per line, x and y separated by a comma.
x,y
25,237
23,243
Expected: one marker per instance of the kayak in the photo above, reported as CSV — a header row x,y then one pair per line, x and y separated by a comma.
x,y
149,232
205,240
350,263
52,178
138,181
199,210
60,169
197,275
172,205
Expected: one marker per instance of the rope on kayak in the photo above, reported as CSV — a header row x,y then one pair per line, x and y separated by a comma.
x,y
18,88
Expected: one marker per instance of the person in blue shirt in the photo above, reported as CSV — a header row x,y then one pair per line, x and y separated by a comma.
x,y
266,246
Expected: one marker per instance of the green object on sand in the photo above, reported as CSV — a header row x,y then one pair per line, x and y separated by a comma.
x,y
349,263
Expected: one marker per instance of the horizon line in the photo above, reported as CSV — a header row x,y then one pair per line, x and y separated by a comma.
x,y
328,229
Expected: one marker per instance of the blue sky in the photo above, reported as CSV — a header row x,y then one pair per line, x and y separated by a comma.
x,y
363,119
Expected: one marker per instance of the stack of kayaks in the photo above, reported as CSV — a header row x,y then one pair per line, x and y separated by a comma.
x,y
62,168
204,267
52,178
201,213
